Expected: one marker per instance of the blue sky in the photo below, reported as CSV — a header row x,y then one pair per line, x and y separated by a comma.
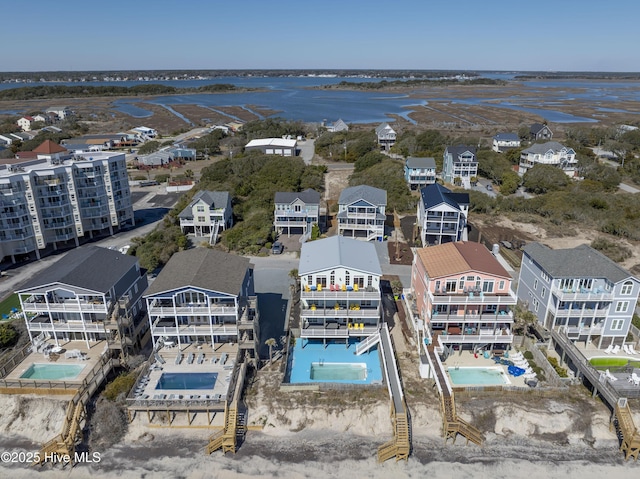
x,y
562,35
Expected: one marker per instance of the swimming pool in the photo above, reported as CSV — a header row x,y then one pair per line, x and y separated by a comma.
x,y
53,372
187,381
335,362
338,371
472,376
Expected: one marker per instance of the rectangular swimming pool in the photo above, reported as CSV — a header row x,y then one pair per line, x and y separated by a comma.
x,y
187,381
472,376
338,371
53,372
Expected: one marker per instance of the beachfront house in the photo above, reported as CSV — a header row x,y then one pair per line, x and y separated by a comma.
x,y
538,131
298,211
386,136
92,294
338,125
144,133
340,289
579,292
442,215
505,141
361,212
60,112
204,297
419,172
459,165
208,213
463,296
52,199
550,153
25,122
273,146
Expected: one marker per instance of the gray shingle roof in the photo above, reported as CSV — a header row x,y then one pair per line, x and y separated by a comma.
x,y
457,150
336,251
384,126
372,195
308,196
536,127
436,194
420,162
542,148
580,262
215,199
506,137
203,268
89,267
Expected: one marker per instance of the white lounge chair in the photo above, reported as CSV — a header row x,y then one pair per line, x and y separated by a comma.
x,y
616,349
625,348
610,376
635,379
609,349
632,349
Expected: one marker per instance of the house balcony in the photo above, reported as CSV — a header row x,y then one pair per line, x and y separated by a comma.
x,y
43,323
475,338
437,230
332,312
187,222
15,237
192,310
574,332
350,295
507,299
458,317
16,214
66,306
335,331
168,328
358,215
64,236
578,312
582,294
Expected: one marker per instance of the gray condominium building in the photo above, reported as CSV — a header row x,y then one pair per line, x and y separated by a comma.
x,y
52,199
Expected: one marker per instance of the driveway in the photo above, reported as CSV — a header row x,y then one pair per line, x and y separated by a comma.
x,y
307,150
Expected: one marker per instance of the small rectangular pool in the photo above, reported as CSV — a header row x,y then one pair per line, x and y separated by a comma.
x,y
187,381
338,371
473,376
53,372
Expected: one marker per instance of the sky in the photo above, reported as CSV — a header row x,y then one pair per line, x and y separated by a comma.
x,y
540,35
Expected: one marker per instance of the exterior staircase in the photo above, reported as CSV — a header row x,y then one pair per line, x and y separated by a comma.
x,y
400,446
627,430
364,346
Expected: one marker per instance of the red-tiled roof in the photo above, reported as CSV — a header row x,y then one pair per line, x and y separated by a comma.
x,y
460,257
48,147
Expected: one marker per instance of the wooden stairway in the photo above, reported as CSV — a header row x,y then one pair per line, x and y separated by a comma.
x,y
227,438
627,430
64,444
400,445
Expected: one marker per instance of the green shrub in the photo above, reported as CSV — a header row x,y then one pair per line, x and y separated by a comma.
x,y
528,355
162,178
8,335
120,385
562,372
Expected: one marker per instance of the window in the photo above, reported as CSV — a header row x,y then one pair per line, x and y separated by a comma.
x,y
627,288
437,286
500,285
535,284
369,281
536,304
200,209
322,280
616,324
201,219
487,287
622,306
451,285
332,278
542,293
461,284
347,278
309,280
135,288
359,280
470,278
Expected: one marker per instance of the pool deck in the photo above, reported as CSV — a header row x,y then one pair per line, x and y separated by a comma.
x,y
467,359
91,355
145,388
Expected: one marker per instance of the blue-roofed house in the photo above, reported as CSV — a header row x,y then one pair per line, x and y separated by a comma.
x,y
505,141
361,212
460,165
298,211
208,213
442,215
340,289
419,172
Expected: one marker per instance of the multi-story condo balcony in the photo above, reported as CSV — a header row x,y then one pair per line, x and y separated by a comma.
x,y
581,294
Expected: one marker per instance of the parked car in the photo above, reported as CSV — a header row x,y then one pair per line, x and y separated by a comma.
x,y
489,188
277,248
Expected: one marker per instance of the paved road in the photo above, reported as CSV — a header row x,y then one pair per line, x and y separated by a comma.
x,y
628,188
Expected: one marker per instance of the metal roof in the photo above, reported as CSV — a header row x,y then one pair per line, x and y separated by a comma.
x,y
214,199
339,251
276,142
542,148
308,196
436,194
420,162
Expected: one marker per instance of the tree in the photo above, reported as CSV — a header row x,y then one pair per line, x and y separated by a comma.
x,y
522,320
271,342
544,178
149,147
8,335
509,183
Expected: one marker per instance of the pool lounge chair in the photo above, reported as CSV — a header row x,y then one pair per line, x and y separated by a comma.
x,y
609,349
214,359
635,379
223,358
632,349
616,349
190,358
179,358
200,358
610,376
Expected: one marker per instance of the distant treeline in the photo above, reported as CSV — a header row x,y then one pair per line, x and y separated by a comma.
x,y
62,91
415,83
579,76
